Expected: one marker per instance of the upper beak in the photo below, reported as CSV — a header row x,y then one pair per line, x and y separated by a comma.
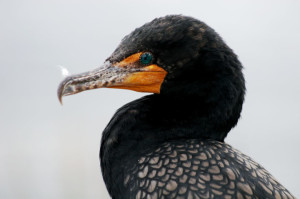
x,y
146,79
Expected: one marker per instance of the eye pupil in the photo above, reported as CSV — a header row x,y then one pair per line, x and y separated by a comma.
x,y
146,58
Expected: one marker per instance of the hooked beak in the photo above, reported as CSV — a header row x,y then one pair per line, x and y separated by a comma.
x,y
144,79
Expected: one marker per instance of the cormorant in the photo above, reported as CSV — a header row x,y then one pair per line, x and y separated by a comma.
x,y
170,144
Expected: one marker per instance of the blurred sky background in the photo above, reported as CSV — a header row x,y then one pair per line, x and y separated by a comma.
x,y
51,151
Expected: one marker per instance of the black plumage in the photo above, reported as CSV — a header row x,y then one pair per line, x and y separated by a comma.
x,y
171,144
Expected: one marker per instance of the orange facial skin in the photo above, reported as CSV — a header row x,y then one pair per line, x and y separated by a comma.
x,y
149,79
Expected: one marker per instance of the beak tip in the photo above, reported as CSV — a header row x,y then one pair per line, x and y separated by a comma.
x,y
60,93
60,101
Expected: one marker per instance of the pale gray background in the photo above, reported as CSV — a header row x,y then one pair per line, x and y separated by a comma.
x,y
51,151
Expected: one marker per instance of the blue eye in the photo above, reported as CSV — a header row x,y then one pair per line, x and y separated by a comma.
x,y
146,58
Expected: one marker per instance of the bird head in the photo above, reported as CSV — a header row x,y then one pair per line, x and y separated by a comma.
x,y
170,56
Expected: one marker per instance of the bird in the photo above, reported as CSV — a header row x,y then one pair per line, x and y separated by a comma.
x,y
170,143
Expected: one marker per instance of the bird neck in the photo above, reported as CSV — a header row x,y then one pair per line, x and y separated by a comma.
x,y
188,116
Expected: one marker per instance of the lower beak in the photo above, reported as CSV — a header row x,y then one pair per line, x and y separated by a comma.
x,y
146,79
